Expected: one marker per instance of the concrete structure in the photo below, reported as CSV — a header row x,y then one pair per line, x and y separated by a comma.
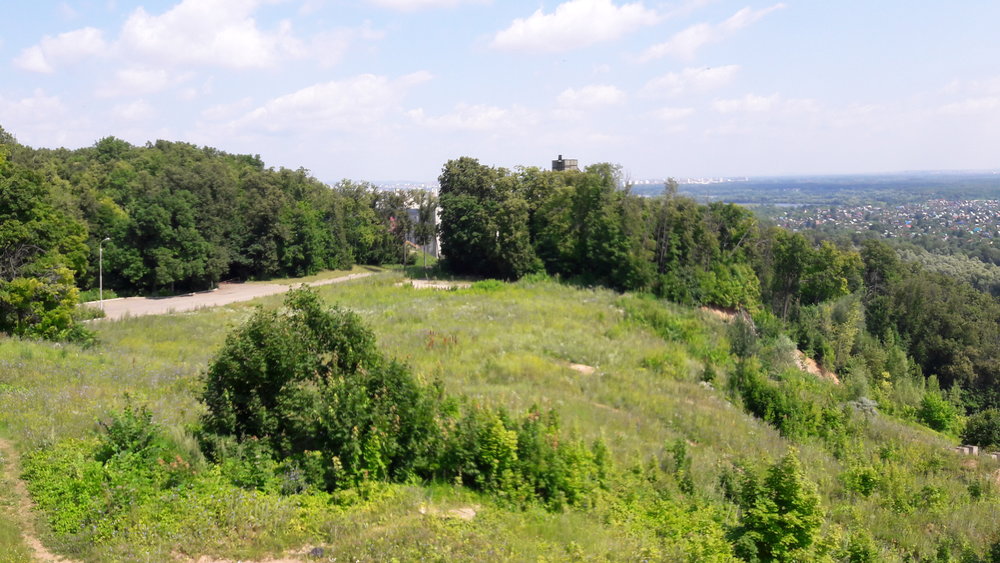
x,y
561,165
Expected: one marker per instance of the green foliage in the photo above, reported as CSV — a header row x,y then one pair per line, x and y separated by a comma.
x,y
303,398
484,222
780,514
38,246
311,380
983,429
88,487
862,548
939,413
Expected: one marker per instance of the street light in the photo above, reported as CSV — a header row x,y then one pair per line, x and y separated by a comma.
x,y
100,269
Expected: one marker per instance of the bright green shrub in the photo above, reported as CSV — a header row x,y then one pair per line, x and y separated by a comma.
x,y
862,548
780,513
938,413
862,479
67,483
559,471
486,450
85,487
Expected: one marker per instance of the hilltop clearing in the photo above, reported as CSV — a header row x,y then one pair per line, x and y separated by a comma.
x,y
688,424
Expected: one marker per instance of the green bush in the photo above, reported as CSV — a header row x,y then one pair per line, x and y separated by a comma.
x,y
983,429
488,286
310,379
86,487
780,514
938,413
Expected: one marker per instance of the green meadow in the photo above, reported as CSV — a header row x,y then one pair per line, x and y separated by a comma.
x,y
627,370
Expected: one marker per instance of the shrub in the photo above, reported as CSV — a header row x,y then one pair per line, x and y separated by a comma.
x,y
938,413
310,379
983,429
780,514
87,487
487,450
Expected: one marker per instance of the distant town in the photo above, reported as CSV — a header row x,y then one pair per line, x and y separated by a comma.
x,y
938,217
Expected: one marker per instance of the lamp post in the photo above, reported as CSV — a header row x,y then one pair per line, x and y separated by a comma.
x,y
100,269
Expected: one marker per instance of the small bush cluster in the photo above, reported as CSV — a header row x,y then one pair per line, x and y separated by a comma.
x,y
779,404
88,486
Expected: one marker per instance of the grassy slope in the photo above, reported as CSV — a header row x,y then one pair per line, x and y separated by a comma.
x,y
510,347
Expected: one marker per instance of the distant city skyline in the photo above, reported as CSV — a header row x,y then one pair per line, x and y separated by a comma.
x,y
388,90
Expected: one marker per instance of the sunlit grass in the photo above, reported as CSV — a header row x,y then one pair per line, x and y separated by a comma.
x,y
511,346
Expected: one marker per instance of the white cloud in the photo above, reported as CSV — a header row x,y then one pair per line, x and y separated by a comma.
x,y
413,5
330,47
973,106
593,96
686,43
752,103
690,80
66,11
208,32
347,105
139,110
44,120
478,117
973,87
224,112
65,48
573,24
672,114
140,81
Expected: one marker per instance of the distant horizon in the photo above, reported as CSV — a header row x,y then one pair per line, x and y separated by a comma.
x,y
653,180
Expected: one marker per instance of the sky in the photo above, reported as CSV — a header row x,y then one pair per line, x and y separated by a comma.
x,y
389,90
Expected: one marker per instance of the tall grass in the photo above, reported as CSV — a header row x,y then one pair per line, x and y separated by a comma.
x,y
509,345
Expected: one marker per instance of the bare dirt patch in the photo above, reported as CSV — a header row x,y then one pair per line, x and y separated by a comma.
x,y
809,365
722,314
25,508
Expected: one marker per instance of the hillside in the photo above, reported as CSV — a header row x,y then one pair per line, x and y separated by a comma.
x,y
888,490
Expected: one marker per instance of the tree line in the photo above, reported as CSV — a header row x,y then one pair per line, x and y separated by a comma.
x,y
172,217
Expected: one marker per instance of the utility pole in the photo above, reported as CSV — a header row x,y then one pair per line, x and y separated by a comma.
x,y
100,269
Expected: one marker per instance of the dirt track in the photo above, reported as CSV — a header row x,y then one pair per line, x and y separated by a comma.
x,y
226,294
11,468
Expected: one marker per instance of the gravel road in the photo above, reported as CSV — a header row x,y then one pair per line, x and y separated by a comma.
x,y
226,293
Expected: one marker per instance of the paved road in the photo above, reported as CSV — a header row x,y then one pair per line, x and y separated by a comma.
x,y
226,294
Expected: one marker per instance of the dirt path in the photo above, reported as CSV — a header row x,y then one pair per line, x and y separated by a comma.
x,y
226,294
25,508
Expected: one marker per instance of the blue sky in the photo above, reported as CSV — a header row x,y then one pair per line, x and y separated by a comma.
x,y
391,89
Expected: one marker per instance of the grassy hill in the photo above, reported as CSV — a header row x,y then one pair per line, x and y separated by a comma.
x,y
624,369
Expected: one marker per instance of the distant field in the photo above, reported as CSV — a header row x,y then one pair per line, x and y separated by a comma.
x,y
512,345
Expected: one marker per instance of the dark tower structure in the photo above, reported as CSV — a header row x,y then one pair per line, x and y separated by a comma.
x,y
561,165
